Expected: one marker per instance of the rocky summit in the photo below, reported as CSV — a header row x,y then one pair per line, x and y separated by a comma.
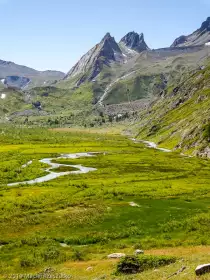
x,y
134,41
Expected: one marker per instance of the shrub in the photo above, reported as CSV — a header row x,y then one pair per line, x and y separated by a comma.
x,y
129,265
133,264
50,253
28,261
77,256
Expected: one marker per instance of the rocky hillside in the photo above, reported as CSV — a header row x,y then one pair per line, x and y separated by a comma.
x,y
19,76
179,118
199,37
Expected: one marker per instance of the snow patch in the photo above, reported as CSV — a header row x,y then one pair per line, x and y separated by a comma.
x,y
131,51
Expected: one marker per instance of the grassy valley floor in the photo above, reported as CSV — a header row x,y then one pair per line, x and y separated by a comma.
x,y
138,198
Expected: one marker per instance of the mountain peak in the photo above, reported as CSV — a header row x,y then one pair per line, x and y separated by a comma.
x,y
205,25
93,62
107,37
134,41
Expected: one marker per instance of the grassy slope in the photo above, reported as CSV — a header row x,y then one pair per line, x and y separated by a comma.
x,y
91,212
59,106
179,119
14,101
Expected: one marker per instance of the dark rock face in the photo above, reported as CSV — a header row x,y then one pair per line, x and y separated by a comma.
x,y
135,41
16,82
109,48
199,37
205,25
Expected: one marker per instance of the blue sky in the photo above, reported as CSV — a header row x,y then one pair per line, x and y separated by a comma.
x,y
51,34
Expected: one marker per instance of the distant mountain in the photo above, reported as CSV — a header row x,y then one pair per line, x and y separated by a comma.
x,y
91,64
19,76
199,37
134,41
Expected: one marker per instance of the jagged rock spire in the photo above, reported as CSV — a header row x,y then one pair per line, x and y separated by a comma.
x,y
134,41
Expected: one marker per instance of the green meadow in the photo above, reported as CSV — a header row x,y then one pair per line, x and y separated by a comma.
x,y
138,198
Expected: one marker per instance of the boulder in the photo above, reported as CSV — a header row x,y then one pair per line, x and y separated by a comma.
x,y
139,252
116,256
37,105
90,268
202,269
176,89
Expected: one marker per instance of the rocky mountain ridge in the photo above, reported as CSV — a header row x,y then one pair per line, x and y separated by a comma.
x,y
107,52
18,76
198,37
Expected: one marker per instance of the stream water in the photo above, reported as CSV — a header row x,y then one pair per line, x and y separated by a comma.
x,y
151,145
53,175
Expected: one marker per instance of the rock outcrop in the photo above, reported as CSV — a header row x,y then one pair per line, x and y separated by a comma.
x,y
202,269
116,256
16,82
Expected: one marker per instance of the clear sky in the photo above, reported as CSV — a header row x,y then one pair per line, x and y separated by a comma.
x,y
52,34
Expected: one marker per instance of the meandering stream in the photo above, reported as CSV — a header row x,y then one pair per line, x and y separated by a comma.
x,y
53,175
81,169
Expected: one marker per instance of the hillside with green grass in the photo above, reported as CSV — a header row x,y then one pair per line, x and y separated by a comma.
x,y
180,117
